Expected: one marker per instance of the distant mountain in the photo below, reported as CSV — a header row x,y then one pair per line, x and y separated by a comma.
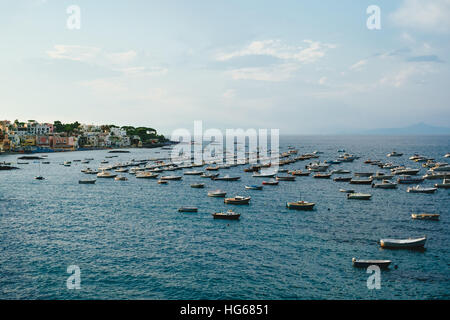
x,y
418,128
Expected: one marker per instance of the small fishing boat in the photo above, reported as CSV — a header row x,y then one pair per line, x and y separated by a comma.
x,y
447,155
206,175
322,175
120,178
163,182
188,209
226,178
121,170
254,187
299,173
444,185
193,173
237,200
211,168
340,171
39,178
405,171
300,205
342,179
171,178
146,175
229,215
385,184
263,175
347,190
217,194
106,174
285,178
87,181
395,154
425,216
359,196
198,185
419,189
436,175
403,243
406,179
361,181
382,264
270,183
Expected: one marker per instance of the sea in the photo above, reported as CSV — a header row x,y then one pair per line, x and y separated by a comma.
x,y
128,240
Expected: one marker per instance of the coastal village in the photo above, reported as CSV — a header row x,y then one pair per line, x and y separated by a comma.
x,y
32,136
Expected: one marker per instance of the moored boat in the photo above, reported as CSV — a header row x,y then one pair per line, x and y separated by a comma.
x,y
198,185
419,189
300,205
106,174
237,200
171,178
254,187
361,181
87,181
382,264
425,216
395,154
322,175
342,179
270,183
229,215
385,184
403,243
217,193
444,185
406,179
188,209
226,178
120,178
285,178
359,196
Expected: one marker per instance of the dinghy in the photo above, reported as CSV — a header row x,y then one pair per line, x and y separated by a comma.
x,y
383,264
403,243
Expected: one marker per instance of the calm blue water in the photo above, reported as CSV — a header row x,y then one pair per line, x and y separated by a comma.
x,y
131,243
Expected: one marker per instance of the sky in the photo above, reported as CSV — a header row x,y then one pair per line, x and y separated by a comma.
x,y
304,67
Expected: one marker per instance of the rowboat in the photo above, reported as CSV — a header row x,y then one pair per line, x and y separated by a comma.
x,y
217,193
210,168
206,175
419,189
382,264
39,178
120,178
386,184
270,183
285,178
403,243
198,185
340,171
87,181
425,216
253,187
188,209
347,190
359,196
342,179
237,200
229,215
300,205
163,182
121,170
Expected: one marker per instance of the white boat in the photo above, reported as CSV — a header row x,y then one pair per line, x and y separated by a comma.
x,y
120,178
263,175
403,243
405,171
217,193
171,178
419,189
447,155
381,176
385,184
395,154
359,196
383,264
106,174
193,173
146,175
439,168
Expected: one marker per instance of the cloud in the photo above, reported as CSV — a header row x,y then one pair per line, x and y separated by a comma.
x,y
143,71
73,52
323,80
122,57
406,74
276,73
289,59
428,58
358,65
229,94
428,16
276,48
